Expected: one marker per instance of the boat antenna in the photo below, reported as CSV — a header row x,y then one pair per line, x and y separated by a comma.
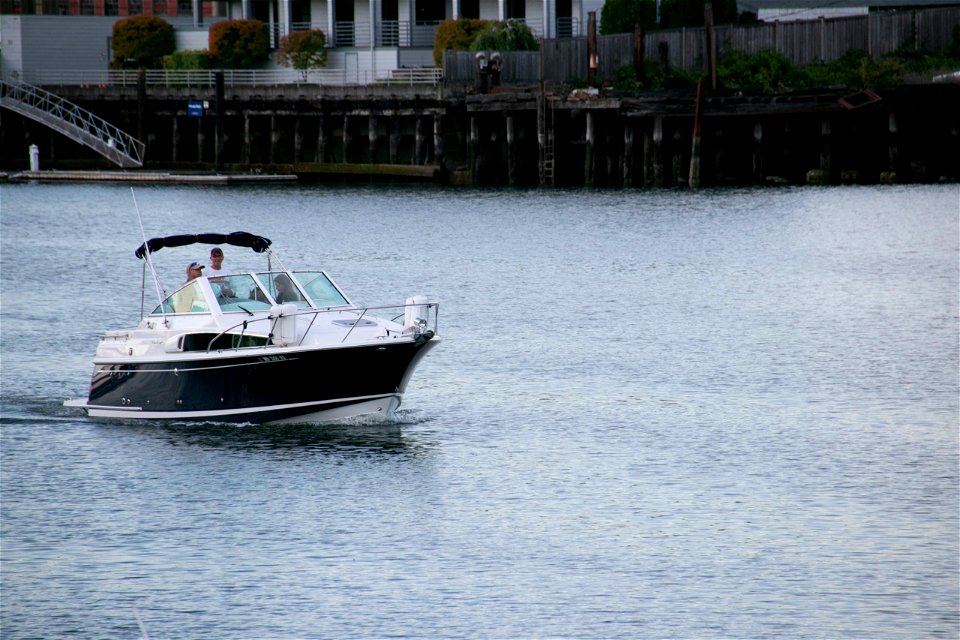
x,y
146,257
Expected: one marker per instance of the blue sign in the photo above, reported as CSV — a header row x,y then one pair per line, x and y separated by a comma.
x,y
195,108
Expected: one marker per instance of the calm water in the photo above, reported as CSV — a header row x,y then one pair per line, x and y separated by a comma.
x,y
667,414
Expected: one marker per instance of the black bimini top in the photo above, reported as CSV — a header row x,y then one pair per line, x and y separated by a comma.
x,y
237,239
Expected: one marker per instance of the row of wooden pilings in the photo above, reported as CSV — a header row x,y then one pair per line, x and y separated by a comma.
x,y
528,139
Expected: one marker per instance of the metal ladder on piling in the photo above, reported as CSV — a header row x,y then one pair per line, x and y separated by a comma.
x,y
72,121
546,139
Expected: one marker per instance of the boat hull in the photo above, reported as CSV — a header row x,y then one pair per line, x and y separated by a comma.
x,y
265,386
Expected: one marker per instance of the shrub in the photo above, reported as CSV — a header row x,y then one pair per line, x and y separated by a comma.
x,y
625,79
766,71
511,35
141,41
187,60
239,44
455,35
303,50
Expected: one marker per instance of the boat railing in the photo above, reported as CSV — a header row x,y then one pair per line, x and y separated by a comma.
x,y
432,320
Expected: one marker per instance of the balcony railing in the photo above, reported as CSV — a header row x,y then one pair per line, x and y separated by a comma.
x,y
240,78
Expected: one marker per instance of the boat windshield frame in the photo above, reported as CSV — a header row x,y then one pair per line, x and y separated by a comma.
x,y
232,293
313,292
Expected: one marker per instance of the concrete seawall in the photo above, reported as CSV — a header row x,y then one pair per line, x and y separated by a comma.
x,y
520,136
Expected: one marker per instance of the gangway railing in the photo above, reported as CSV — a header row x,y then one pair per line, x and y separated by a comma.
x,y
72,121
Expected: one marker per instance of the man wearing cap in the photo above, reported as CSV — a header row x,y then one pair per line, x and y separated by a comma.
x,y
194,270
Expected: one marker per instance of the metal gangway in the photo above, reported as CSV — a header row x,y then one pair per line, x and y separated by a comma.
x,y
72,121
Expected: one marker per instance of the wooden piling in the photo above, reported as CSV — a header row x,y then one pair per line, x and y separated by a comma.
x,y
372,135
394,138
419,156
438,140
694,179
588,170
274,138
511,153
321,139
628,153
658,153
758,152
347,138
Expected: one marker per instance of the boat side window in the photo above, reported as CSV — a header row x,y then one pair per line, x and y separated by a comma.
x,y
239,293
189,299
321,291
282,288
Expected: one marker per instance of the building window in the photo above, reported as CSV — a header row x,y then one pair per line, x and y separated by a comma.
x,y
86,7
184,8
111,7
134,7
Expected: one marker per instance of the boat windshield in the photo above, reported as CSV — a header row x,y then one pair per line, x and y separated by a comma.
x,y
189,299
282,288
319,289
239,292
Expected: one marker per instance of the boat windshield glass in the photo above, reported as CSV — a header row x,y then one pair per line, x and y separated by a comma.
x,y
189,299
282,288
319,289
239,293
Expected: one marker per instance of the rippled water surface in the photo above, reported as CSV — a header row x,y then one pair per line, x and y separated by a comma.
x,y
654,414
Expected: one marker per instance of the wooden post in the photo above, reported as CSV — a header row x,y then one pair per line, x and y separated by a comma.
x,y
321,139
588,172
658,155
639,44
473,151
511,154
274,137
200,138
826,149
628,153
175,138
247,142
758,152
593,61
347,138
372,135
711,44
419,154
220,106
677,168
394,138
438,140
141,104
694,180
297,138
893,148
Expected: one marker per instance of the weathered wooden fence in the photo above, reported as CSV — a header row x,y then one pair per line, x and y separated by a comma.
x,y
802,42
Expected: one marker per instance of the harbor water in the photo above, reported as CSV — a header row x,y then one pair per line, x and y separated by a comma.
x,y
714,414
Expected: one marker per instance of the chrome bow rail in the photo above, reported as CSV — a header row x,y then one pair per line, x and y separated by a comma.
x,y
74,122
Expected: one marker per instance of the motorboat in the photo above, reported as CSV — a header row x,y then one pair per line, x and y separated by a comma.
x,y
272,346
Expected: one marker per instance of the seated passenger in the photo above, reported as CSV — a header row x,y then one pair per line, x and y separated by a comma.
x,y
286,292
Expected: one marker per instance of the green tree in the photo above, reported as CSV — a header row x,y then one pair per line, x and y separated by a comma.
x,y
303,50
141,42
620,16
689,13
455,35
510,35
239,44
